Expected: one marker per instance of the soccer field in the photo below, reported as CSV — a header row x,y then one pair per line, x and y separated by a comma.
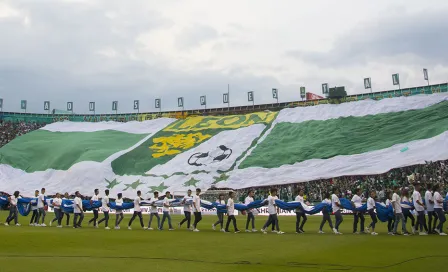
x,y
51,249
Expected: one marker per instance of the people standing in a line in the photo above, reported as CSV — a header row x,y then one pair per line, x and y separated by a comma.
x,y
197,209
396,200
57,203
326,214
300,212
78,211
250,213
34,210
220,215
166,212
231,213
407,211
94,199
438,208
187,210
13,212
419,208
154,212
359,215
66,213
371,206
429,201
336,207
105,207
137,211
41,208
118,210
391,220
272,210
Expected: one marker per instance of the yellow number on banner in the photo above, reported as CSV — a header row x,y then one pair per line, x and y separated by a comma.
x,y
175,144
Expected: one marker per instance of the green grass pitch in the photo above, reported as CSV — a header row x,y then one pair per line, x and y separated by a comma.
x,y
51,249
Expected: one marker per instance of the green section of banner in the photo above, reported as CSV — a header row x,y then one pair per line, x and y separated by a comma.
x,y
41,150
180,137
289,143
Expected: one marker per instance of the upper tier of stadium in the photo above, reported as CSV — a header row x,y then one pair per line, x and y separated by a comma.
x,y
124,117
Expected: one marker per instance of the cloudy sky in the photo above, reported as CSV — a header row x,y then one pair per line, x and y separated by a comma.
x,y
105,50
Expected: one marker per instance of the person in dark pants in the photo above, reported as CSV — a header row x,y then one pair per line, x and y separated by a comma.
x,y
250,213
77,209
220,215
429,201
336,207
300,213
13,212
371,206
197,209
65,212
231,213
94,198
154,212
272,210
137,211
438,208
326,214
391,220
359,215
105,207
118,210
419,208
407,212
166,212
34,209
187,210
41,208
57,202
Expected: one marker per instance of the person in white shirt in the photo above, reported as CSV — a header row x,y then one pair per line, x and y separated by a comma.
x,y
390,220
407,212
326,213
419,208
166,212
336,207
272,210
438,208
230,213
66,213
371,206
220,215
250,213
429,201
396,200
300,213
154,212
197,209
41,208
118,210
137,211
57,203
105,207
94,198
358,215
13,212
34,209
187,210
78,211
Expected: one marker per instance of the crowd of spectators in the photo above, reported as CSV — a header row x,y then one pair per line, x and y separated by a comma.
x,y
430,172
11,130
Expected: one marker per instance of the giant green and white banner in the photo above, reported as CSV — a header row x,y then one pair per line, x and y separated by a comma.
x,y
258,149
